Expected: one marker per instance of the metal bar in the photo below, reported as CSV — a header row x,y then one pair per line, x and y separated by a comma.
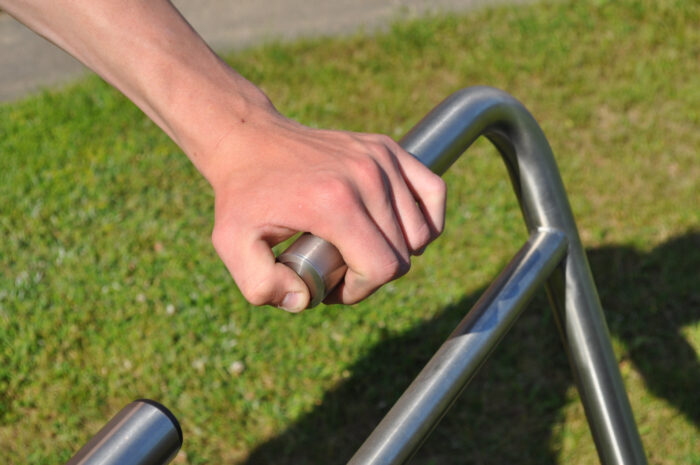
x,y
438,140
142,433
430,395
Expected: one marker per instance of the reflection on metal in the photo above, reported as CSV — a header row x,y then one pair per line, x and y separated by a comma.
x,y
443,378
142,433
318,263
438,140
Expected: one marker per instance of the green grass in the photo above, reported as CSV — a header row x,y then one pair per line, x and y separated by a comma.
x,y
110,289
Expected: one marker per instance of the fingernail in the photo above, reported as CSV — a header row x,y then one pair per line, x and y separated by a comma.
x,y
292,302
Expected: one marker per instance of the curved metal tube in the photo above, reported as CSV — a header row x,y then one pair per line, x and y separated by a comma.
x,y
437,141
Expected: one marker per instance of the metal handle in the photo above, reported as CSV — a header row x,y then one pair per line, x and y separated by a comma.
x,y
317,262
142,433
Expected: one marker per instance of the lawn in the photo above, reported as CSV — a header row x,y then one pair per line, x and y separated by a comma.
x,y
110,289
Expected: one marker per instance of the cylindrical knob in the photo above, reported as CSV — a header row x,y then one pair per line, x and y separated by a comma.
x,y
142,433
317,262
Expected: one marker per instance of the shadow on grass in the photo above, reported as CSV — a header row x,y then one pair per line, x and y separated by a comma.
x,y
507,413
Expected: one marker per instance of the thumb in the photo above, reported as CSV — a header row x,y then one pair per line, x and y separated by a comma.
x,y
261,279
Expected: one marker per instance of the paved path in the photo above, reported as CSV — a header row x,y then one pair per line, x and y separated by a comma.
x,y
29,63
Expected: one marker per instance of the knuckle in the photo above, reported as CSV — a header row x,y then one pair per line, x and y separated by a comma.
x,y
337,190
386,139
437,186
436,192
380,139
439,228
367,168
421,237
393,269
225,236
383,151
389,144
259,294
371,175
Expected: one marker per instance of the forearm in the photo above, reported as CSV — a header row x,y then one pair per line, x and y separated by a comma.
x,y
149,52
271,176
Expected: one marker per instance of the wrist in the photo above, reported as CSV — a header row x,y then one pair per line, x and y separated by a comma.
x,y
201,109
199,101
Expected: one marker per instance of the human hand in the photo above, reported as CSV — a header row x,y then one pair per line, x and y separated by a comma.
x,y
361,192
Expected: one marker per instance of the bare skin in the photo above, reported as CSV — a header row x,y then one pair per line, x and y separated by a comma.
x,y
271,176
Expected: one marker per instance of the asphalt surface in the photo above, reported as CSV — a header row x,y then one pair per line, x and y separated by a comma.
x,y
29,63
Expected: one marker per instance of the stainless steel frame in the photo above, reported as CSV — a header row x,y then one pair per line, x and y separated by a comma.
x,y
553,255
